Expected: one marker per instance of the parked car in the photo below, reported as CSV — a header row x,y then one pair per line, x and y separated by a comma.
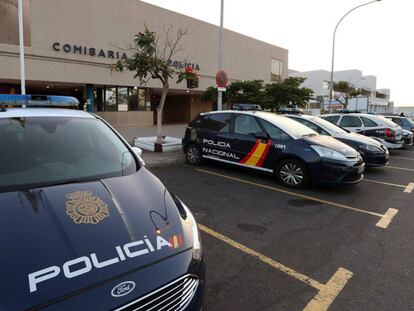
x,y
372,151
407,137
377,127
271,143
405,122
84,225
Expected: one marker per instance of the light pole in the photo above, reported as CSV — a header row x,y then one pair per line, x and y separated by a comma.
x,y
333,50
220,93
21,48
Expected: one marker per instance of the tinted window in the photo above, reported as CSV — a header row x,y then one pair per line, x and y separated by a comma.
x,y
44,151
332,119
219,122
368,122
274,132
199,122
311,125
245,124
350,121
396,120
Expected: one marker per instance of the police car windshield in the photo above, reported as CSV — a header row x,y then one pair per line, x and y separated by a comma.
x,y
45,151
329,126
293,128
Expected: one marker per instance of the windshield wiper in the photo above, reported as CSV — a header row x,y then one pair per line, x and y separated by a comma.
x,y
310,135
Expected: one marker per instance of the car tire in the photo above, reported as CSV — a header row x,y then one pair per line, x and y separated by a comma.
x,y
292,173
193,154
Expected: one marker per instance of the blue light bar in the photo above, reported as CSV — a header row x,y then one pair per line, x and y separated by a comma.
x,y
38,100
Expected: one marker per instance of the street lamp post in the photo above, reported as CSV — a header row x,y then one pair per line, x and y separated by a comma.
x,y
333,50
220,93
21,48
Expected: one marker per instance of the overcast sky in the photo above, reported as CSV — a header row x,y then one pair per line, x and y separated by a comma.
x,y
376,39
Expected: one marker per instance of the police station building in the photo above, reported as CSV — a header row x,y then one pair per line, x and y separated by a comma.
x,y
71,47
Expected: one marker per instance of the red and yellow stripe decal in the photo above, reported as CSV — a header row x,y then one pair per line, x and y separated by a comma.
x,y
257,154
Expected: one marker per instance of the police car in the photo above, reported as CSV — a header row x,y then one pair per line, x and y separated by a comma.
x,y
377,127
84,225
372,151
271,143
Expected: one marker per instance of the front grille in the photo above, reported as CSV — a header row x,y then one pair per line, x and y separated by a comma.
x,y
176,296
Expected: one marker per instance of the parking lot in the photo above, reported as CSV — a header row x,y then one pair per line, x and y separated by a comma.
x,y
268,247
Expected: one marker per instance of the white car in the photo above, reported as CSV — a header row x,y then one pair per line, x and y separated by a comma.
x,y
377,127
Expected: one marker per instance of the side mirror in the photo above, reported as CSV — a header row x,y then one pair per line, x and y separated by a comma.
x,y
138,152
261,135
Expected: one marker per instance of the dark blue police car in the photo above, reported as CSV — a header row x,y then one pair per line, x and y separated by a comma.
x,y
84,225
372,151
271,143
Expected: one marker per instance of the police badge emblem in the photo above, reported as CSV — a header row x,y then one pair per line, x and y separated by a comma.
x,y
84,208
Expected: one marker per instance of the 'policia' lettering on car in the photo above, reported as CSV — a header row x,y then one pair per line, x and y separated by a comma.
x,y
127,251
219,153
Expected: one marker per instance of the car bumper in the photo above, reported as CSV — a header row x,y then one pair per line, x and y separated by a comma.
x,y
332,172
408,141
373,160
397,145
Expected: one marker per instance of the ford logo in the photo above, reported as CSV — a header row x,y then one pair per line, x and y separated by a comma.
x,y
123,289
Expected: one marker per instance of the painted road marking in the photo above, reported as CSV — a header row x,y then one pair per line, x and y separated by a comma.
x,y
326,292
380,223
400,168
407,189
402,158
326,296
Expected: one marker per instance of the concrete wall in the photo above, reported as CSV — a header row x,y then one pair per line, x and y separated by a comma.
x,y
111,25
130,118
198,106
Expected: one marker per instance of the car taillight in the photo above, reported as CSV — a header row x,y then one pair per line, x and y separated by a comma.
x,y
389,133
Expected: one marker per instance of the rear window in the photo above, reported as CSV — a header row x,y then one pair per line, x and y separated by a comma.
x,y
218,122
387,122
332,119
350,121
368,122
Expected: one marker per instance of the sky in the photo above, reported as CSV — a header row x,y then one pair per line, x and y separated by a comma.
x,y
376,39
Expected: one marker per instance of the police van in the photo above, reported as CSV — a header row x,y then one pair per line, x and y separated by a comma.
x,y
274,144
84,225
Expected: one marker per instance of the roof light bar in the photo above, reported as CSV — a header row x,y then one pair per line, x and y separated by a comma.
x,y
38,100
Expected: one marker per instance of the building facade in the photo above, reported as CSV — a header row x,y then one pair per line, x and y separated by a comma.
x,y
71,47
372,100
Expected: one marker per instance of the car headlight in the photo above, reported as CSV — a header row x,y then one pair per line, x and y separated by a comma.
x,y
371,148
328,153
189,218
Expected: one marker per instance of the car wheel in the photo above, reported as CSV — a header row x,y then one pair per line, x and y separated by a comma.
x,y
292,173
193,155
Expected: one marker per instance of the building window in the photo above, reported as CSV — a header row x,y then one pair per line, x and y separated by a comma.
x,y
122,99
326,85
276,70
110,99
136,99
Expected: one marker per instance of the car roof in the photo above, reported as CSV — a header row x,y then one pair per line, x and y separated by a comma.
x,y
44,112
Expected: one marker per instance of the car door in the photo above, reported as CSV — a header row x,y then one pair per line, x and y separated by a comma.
x,y
250,143
352,123
215,136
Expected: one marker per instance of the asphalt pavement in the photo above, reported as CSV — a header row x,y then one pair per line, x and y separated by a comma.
x,y
268,247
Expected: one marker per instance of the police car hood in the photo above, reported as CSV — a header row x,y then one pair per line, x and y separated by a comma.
x,y
360,139
332,143
58,240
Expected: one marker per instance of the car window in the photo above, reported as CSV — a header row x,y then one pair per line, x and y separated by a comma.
x,y
332,119
311,125
218,122
199,122
274,132
45,151
396,120
368,122
245,124
350,121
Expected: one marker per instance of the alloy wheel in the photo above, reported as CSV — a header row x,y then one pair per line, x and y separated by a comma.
x,y
291,174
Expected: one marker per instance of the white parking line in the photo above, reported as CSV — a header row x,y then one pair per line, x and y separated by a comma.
x,y
400,168
384,221
407,189
403,158
326,292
